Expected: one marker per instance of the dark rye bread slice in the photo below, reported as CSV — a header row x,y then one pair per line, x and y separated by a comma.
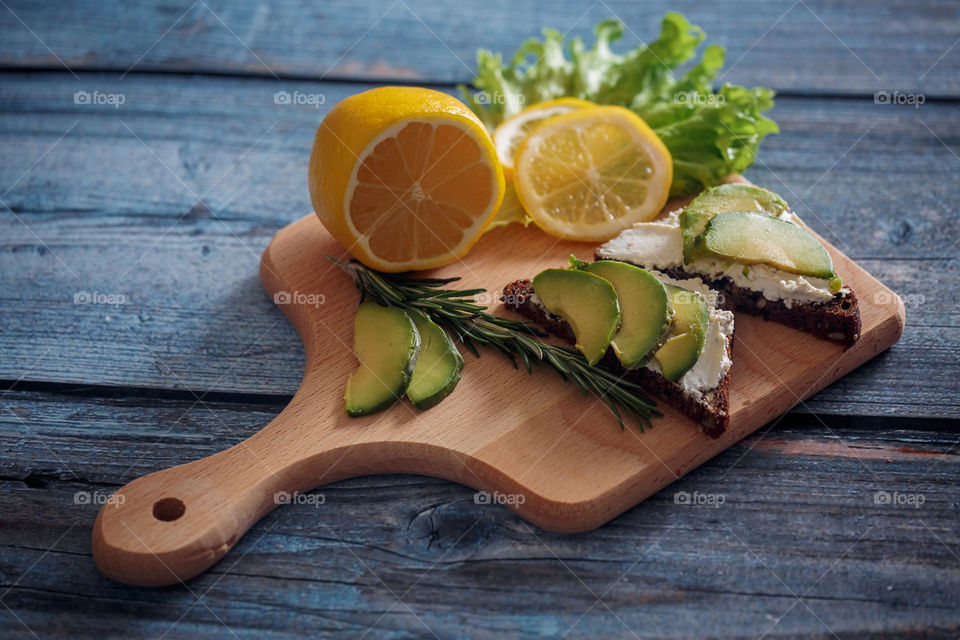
x,y
711,412
837,320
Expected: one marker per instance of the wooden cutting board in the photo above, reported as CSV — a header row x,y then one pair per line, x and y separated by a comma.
x,y
532,442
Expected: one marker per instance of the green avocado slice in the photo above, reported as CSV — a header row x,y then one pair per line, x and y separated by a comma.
x,y
750,238
587,302
721,199
386,343
645,311
438,366
687,334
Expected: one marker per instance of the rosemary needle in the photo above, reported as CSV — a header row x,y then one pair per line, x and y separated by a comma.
x,y
469,322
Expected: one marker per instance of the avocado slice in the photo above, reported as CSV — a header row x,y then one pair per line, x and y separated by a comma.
x,y
386,343
438,366
587,302
721,199
750,238
687,334
645,311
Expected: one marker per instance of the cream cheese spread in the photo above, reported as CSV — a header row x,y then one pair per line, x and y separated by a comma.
x,y
714,361
659,245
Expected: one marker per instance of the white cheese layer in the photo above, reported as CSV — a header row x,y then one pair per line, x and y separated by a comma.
x,y
659,245
714,362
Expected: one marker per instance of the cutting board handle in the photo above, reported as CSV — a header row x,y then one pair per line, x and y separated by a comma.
x,y
172,525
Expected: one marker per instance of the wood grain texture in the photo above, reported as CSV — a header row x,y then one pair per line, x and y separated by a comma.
x,y
813,46
92,229
798,518
556,456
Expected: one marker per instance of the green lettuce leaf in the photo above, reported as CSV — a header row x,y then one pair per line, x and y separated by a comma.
x,y
710,134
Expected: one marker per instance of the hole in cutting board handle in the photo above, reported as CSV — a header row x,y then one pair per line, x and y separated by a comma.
x,y
169,509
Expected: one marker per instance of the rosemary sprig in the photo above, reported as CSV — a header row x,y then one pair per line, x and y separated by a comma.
x,y
457,310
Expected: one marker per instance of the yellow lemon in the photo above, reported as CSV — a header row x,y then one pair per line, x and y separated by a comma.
x,y
508,135
404,177
589,174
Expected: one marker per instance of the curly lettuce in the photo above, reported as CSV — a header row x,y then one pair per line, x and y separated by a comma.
x,y
710,134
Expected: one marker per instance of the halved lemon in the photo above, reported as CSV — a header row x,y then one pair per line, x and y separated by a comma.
x,y
508,135
589,174
404,177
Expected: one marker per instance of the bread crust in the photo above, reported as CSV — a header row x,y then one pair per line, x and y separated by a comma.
x,y
837,320
711,413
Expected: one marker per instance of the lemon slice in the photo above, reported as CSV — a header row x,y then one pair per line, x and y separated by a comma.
x,y
510,133
591,173
404,177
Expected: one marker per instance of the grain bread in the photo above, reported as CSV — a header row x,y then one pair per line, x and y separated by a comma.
x,y
837,320
711,411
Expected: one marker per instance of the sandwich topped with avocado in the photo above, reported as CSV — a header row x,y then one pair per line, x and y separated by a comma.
x,y
652,305
664,334
745,243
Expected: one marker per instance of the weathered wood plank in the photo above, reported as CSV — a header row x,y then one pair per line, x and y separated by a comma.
x,y
798,518
113,214
817,46
840,162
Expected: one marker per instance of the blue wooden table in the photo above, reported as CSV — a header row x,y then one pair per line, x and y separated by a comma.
x,y
145,165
